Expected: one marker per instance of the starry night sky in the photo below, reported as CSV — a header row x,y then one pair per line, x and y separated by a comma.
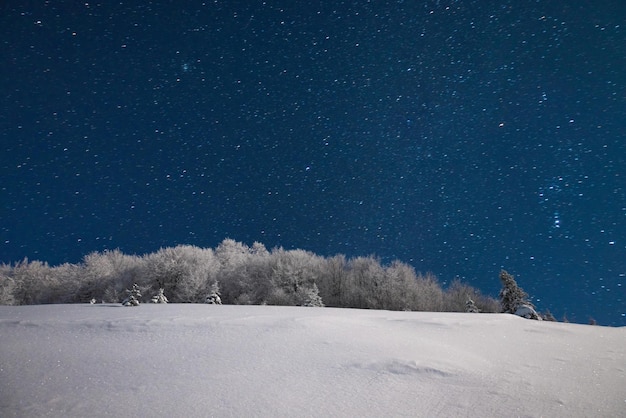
x,y
461,137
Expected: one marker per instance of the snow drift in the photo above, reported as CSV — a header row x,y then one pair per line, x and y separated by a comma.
x,y
235,361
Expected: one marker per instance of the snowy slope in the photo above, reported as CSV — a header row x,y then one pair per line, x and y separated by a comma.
x,y
243,361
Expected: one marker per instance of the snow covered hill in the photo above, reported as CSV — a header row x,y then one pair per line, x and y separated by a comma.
x,y
243,361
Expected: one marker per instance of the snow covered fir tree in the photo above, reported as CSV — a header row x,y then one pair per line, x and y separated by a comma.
x,y
514,299
213,298
159,297
133,296
312,298
470,306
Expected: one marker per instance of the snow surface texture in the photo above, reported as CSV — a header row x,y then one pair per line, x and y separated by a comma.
x,y
243,361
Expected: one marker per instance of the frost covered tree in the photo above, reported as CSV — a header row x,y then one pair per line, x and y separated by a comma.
x,y
331,279
32,282
159,297
7,286
106,276
293,274
513,298
399,291
458,293
365,276
182,271
233,257
430,293
133,296
311,297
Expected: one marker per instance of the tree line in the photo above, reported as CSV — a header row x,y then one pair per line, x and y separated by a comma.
x,y
241,274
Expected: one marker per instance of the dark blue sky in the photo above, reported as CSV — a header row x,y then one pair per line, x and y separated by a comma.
x,y
461,137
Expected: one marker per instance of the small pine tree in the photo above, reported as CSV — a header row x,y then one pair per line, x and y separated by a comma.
x,y
133,296
471,307
547,316
213,297
159,297
312,298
